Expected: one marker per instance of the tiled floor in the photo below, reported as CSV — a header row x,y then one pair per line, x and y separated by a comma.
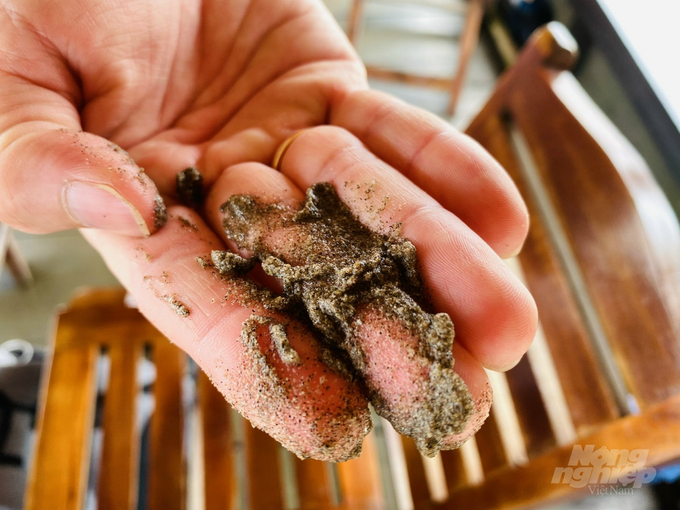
x,y
60,263
393,36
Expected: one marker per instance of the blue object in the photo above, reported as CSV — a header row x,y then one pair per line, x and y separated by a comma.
x,y
668,474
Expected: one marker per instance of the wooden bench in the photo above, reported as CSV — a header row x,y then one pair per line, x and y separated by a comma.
x,y
602,260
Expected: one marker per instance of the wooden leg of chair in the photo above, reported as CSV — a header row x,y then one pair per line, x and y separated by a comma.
x,y
468,43
4,242
16,263
354,20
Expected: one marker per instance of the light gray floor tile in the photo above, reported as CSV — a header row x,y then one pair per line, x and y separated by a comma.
x,y
60,264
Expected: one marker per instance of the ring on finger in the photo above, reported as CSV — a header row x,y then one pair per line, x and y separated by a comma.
x,y
281,151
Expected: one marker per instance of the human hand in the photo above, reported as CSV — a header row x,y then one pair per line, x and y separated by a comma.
x,y
219,85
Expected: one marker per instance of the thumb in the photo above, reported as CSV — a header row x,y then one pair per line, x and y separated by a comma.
x,y
59,179
56,177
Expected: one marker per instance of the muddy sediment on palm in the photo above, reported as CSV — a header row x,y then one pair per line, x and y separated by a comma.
x,y
331,267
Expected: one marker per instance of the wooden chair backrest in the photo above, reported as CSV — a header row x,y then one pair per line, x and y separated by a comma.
x,y
601,259
242,466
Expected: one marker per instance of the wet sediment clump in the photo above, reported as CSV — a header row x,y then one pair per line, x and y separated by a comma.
x,y
189,187
331,266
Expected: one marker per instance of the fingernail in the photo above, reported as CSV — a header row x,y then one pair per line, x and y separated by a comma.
x,y
101,206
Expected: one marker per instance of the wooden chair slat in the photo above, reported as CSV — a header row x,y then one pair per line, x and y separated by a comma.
x,y
118,477
468,43
585,387
263,475
401,483
217,447
472,462
555,404
354,20
490,444
58,475
508,424
417,478
533,418
454,469
547,379
167,477
313,484
360,479
436,478
434,82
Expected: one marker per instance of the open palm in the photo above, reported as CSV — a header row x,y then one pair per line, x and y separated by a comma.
x,y
219,85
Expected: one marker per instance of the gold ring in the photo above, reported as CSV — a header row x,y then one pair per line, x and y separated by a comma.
x,y
281,151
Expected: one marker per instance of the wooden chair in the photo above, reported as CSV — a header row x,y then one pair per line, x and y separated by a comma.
x,y
10,255
602,260
474,14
